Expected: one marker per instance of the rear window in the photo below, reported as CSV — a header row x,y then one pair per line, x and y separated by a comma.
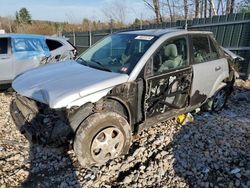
x,y
3,45
53,44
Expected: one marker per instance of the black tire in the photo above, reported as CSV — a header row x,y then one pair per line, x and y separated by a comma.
x,y
219,99
88,135
6,88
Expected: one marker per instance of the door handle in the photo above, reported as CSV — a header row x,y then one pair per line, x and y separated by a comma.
x,y
217,68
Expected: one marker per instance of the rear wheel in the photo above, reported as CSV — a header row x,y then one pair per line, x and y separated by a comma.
x,y
101,137
219,99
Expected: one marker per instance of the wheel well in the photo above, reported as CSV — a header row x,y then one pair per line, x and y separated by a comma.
x,y
109,104
118,106
78,115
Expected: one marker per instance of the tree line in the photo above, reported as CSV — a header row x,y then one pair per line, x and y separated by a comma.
x,y
171,10
116,13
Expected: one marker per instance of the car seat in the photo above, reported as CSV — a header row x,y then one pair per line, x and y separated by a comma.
x,y
173,59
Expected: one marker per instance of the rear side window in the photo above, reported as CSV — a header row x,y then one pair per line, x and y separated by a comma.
x,y
53,44
28,45
203,49
3,45
200,49
214,51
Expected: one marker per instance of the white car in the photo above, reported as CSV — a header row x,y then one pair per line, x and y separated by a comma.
x,y
126,82
21,52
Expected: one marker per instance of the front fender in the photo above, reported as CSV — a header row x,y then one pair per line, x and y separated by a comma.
x,y
92,98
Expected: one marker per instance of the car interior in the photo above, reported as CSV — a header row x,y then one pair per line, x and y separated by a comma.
x,y
202,52
171,55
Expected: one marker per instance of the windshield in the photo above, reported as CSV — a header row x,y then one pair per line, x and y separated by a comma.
x,y
117,53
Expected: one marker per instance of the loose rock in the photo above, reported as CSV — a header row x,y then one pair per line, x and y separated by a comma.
x,y
212,151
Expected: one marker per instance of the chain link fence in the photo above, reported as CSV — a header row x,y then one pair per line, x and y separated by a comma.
x,y
231,31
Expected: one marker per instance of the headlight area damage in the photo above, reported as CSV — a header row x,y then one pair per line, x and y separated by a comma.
x,y
39,123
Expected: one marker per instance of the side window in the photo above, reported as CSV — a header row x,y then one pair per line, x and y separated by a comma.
x,y
204,49
3,45
200,49
28,45
53,44
214,51
171,55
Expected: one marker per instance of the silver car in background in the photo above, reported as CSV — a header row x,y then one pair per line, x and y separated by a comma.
x,y
21,52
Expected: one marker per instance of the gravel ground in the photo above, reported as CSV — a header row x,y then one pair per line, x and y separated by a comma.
x,y
213,151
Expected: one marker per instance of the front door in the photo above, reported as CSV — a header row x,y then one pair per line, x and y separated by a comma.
x,y
168,78
6,64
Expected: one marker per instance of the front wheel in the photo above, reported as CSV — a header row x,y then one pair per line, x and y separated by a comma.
x,y
101,137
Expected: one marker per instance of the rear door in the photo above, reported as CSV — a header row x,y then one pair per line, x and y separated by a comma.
x,y
28,53
168,78
210,68
6,63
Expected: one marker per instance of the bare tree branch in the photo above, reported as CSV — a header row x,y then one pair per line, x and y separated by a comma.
x,y
170,11
197,5
205,8
230,6
155,6
185,9
148,4
201,8
214,11
116,10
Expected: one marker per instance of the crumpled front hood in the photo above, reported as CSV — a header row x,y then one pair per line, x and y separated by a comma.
x,y
61,83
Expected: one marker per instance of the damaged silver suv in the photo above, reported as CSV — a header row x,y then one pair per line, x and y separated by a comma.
x,y
126,82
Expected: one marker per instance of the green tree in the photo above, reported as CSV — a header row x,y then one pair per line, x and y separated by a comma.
x,y
23,16
136,23
245,6
86,24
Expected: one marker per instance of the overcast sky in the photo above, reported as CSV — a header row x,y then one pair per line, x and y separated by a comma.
x,y
72,10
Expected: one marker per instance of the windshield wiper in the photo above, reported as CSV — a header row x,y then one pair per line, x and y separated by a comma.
x,y
103,66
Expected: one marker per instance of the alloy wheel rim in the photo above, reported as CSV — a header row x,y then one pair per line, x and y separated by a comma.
x,y
219,99
107,144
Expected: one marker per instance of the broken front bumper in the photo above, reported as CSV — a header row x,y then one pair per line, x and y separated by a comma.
x,y
39,123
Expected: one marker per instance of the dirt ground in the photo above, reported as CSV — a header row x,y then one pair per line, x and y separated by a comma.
x,y
212,151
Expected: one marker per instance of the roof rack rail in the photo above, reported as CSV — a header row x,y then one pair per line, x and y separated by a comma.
x,y
125,30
